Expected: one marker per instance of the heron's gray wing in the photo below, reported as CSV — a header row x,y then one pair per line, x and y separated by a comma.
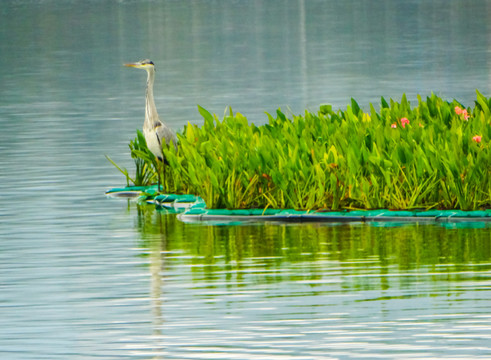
x,y
166,134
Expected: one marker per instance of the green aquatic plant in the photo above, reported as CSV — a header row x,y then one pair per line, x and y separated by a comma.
x,y
433,155
144,160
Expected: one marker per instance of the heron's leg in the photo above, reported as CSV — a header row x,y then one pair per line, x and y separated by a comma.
x,y
157,165
163,173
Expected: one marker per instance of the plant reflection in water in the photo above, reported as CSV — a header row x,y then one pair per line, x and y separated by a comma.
x,y
211,278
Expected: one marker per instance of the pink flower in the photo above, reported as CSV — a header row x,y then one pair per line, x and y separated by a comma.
x,y
394,126
462,112
404,121
477,138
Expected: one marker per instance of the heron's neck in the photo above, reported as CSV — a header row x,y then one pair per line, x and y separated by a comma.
x,y
150,109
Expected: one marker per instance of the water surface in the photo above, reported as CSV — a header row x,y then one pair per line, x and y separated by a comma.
x,y
317,291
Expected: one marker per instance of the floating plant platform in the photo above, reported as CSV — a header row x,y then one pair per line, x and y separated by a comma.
x,y
191,209
430,216
433,154
150,195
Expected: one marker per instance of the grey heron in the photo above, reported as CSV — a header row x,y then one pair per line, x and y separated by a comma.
x,y
155,131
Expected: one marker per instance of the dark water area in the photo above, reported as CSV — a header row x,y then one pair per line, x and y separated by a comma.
x,y
84,276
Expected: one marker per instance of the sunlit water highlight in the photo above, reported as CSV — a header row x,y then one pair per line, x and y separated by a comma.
x,y
83,276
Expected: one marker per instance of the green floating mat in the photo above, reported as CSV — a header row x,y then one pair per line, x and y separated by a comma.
x,y
192,208
131,191
178,202
148,192
203,214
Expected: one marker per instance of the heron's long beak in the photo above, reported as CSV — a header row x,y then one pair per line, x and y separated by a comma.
x,y
132,65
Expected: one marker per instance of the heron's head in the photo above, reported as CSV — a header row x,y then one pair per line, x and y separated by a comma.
x,y
143,64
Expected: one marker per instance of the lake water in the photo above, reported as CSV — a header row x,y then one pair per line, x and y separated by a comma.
x,y
83,276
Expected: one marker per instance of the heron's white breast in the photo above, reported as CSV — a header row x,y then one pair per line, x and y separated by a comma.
x,y
153,143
